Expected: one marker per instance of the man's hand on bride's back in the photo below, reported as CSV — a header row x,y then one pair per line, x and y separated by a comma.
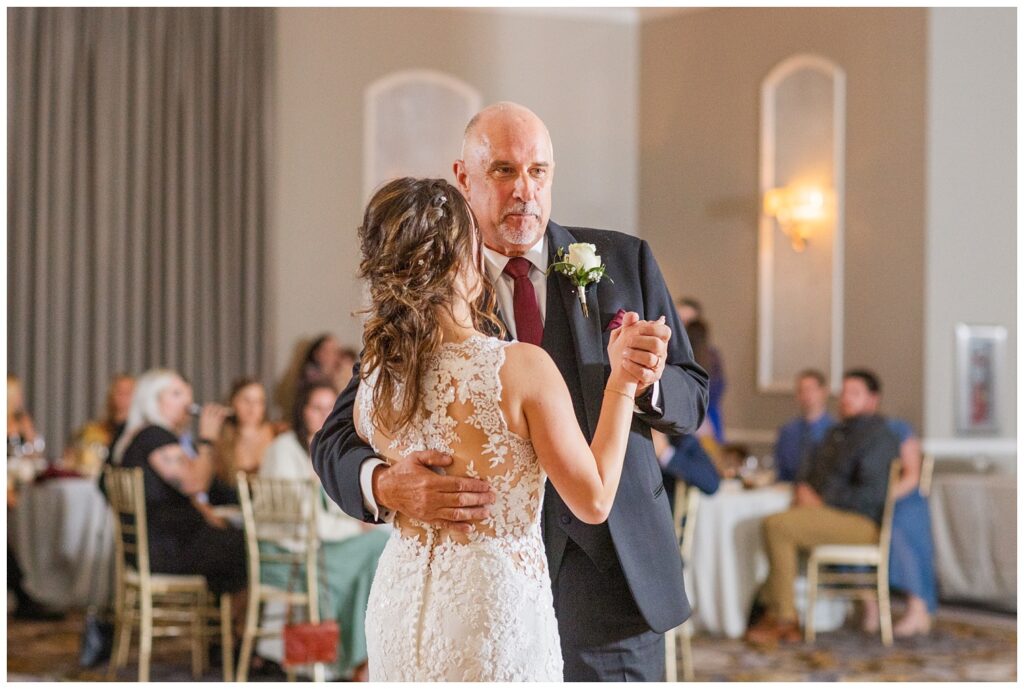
x,y
412,487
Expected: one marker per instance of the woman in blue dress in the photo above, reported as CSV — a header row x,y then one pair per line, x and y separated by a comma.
x,y
708,356
911,557
691,314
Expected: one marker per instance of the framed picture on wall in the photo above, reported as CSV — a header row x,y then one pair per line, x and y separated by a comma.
x,y
980,352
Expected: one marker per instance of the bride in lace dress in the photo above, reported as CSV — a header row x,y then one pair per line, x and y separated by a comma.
x,y
447,605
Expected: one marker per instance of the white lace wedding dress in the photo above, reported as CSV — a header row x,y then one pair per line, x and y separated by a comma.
x,y
447,606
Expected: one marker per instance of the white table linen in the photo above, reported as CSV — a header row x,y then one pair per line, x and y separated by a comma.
x,y
730,562
62,534
974,525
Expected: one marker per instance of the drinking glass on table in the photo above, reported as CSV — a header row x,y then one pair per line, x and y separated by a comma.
x,y
749,466
21,448
757,471
21,471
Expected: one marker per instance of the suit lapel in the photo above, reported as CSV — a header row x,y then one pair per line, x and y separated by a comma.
x,y
586,332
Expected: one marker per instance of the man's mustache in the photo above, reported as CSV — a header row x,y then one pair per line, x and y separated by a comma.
x,y
524,208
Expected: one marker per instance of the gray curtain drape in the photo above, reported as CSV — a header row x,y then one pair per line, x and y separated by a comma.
x,y
137,172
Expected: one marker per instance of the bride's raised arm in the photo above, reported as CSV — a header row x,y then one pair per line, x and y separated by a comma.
x,y
585,476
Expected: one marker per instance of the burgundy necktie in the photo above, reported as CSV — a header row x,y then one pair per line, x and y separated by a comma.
x,y
529,327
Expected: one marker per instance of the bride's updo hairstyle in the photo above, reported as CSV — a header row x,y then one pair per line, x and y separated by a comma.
x,y
417,234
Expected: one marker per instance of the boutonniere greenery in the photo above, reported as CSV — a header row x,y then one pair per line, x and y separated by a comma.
x,y
581,264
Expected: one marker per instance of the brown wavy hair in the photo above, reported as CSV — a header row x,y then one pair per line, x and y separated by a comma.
x,y
226,445
416,236
298,418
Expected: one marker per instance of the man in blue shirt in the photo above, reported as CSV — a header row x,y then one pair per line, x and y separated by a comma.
x,y
839,498
684,458
798,438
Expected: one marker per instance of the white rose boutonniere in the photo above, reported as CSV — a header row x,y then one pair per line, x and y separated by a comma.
x,y
581,264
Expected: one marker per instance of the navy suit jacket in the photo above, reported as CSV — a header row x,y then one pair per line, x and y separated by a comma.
x,y
639,535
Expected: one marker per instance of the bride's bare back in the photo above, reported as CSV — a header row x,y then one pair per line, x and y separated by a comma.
x,y
465,414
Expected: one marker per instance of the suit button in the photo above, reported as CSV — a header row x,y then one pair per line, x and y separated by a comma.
x,y
566,519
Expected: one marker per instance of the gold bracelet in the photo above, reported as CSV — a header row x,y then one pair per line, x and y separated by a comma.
x,y
620,392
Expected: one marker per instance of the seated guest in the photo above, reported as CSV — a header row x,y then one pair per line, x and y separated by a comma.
x,y
349,357
185,537
711,431
911,555
22,438
246,433
23,441
710,359
683,458
798,438
731,460
350,549
323,363
839,498
92,443
689,310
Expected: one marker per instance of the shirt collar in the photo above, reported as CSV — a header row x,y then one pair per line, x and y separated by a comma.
x,y
495,262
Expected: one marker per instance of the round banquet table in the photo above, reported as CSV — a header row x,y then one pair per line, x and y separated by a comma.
x,y
974,524
730,563
62,534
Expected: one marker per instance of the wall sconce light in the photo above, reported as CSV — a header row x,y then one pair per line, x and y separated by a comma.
x,y
797,210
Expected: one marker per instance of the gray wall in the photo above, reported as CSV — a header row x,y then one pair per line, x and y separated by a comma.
x,y
699,108
580,76
971,198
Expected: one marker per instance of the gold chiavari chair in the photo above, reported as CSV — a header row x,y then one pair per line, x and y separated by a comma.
x,y
854,584
276,510
687,504
164,605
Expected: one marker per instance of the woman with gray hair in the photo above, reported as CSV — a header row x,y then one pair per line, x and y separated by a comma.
x,y
185,537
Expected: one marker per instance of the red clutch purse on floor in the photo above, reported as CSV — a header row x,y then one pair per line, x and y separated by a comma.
x,y
311,642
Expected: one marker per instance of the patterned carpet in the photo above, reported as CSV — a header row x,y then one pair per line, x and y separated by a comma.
x,y
964,646
48,652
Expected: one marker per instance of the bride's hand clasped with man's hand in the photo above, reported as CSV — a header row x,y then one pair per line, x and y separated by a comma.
x,y
640,348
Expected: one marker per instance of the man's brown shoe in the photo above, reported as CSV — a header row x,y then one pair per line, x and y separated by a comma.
x,y
772,632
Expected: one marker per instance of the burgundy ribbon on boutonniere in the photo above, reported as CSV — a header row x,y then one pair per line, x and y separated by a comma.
x,y
616,321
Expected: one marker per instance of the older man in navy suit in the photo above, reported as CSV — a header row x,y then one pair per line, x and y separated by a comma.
x,y
617,586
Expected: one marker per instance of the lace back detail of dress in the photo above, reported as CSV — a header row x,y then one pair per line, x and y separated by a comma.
x,y
461,415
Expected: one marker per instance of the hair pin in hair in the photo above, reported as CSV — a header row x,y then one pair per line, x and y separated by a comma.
x,y
439,200
419,262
